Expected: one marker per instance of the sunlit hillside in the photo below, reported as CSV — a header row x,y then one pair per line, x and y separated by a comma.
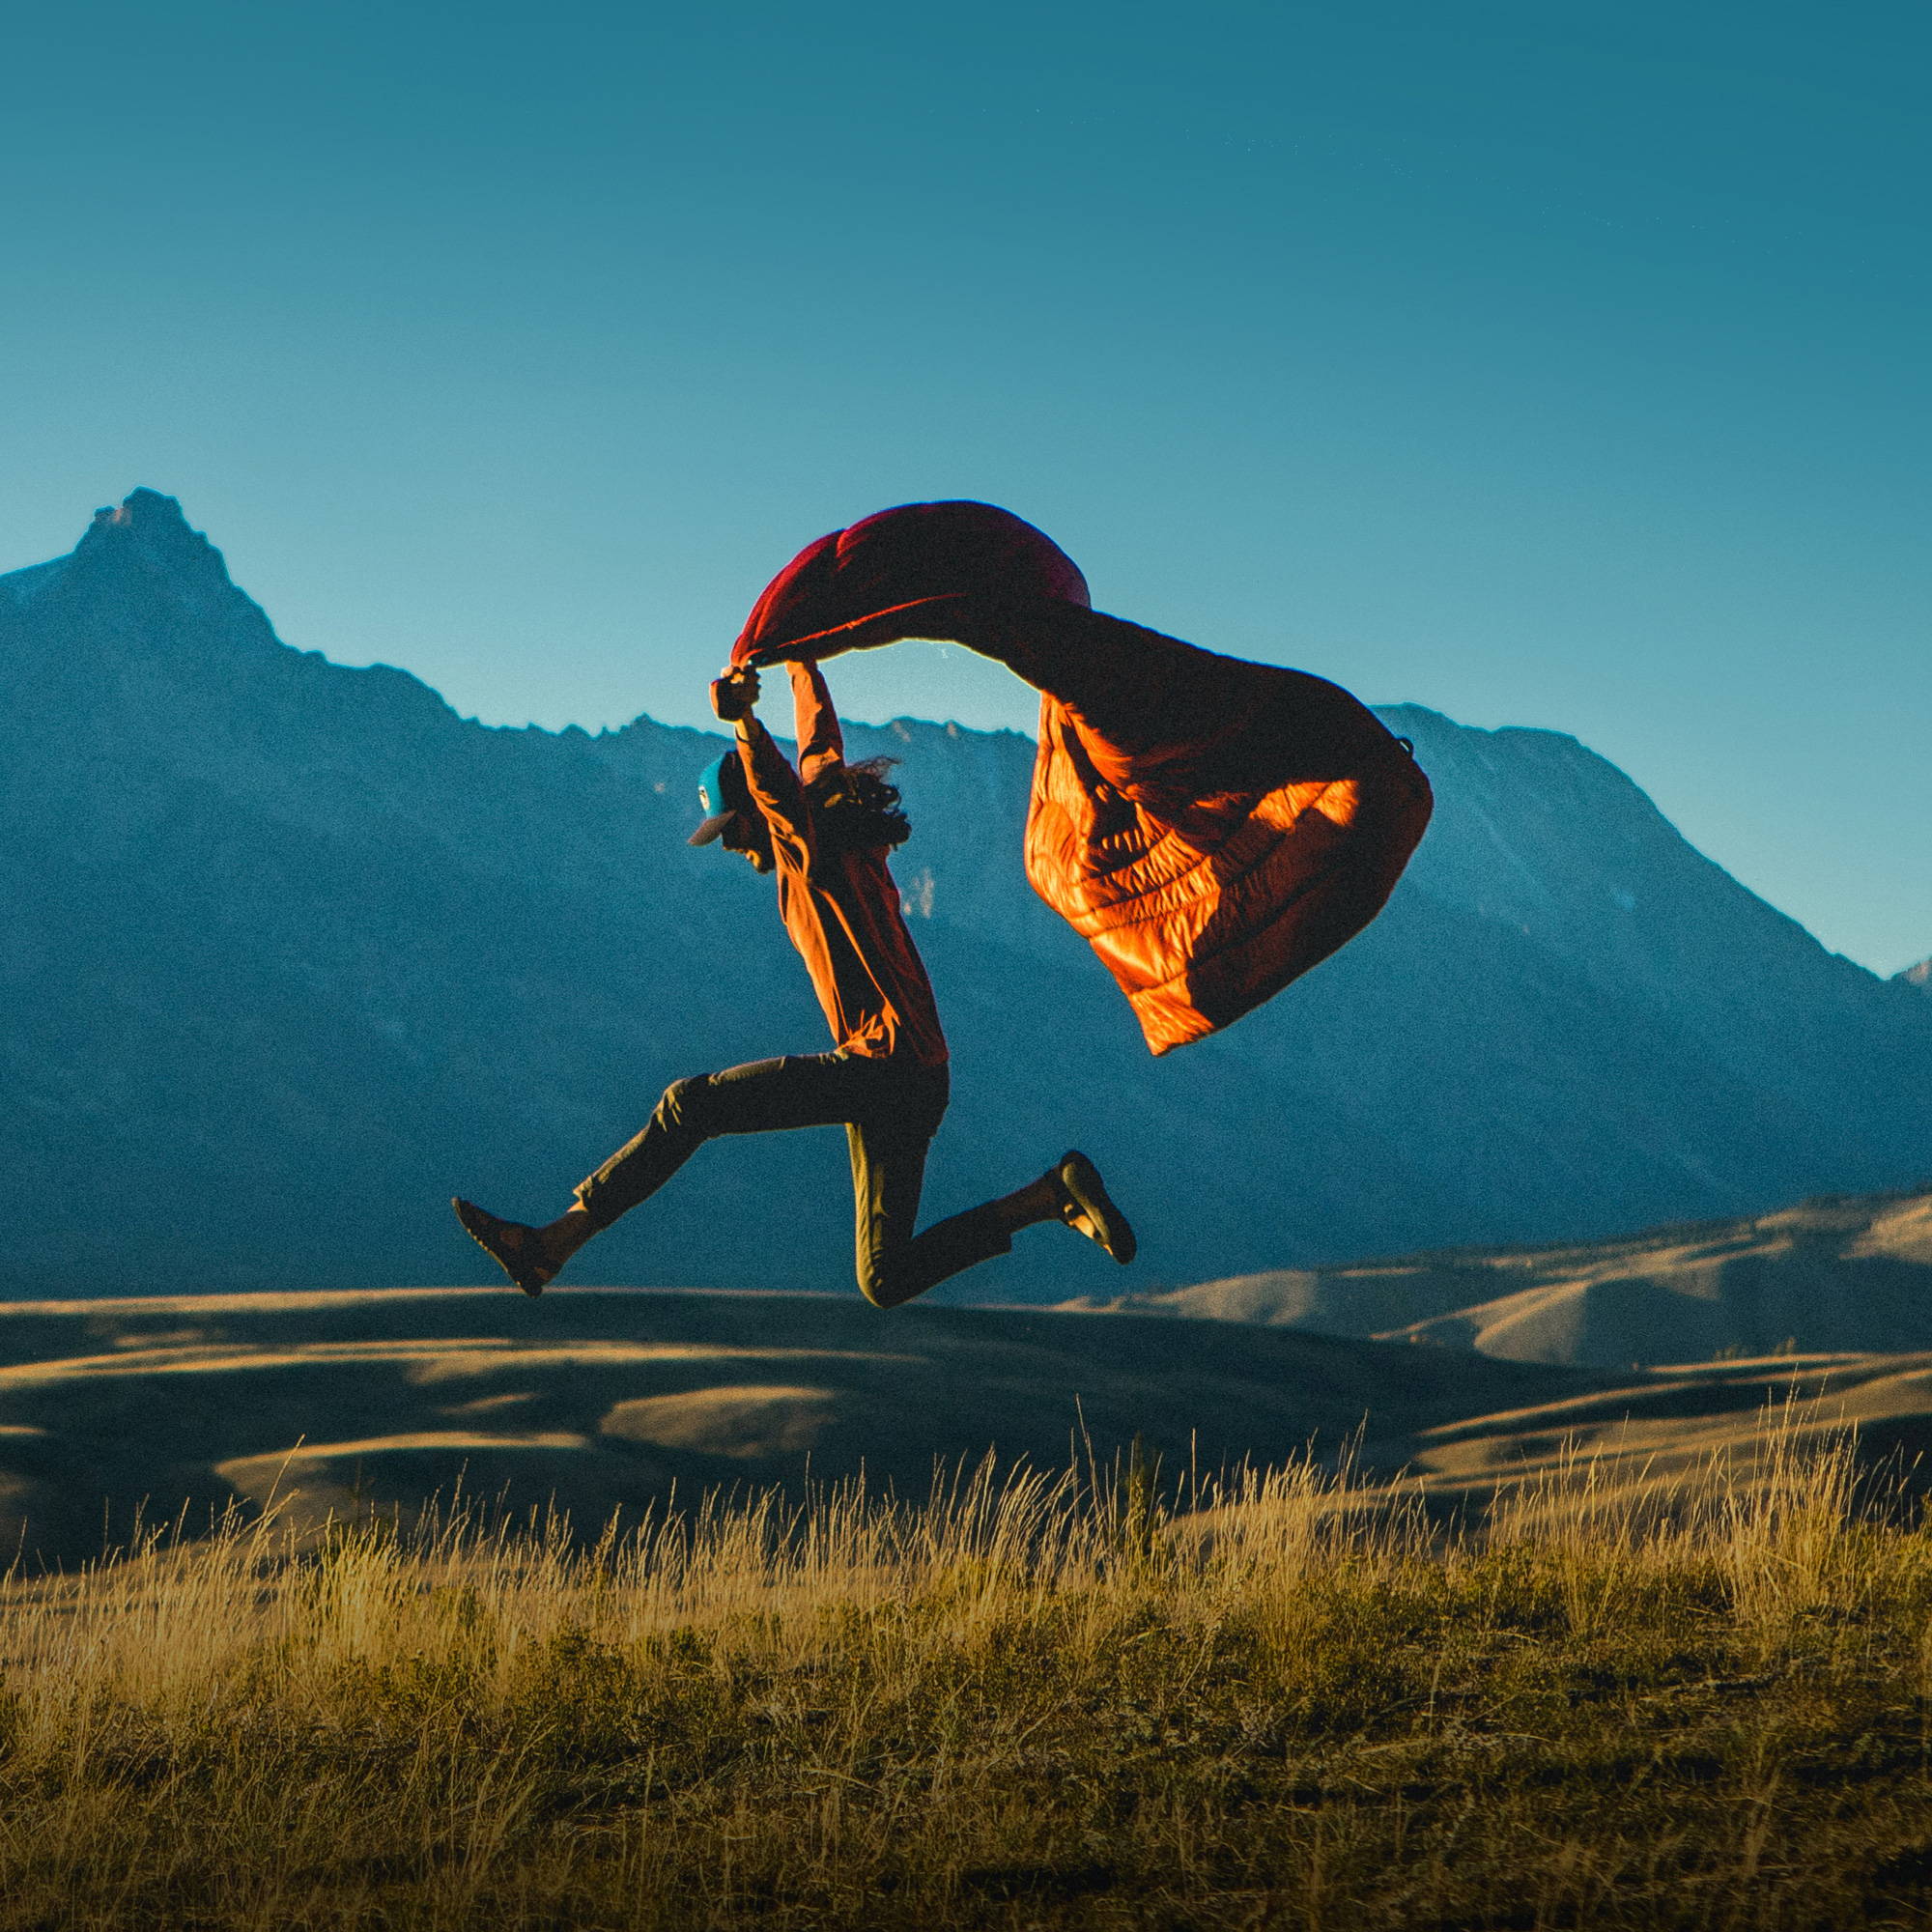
x,y
1836,1274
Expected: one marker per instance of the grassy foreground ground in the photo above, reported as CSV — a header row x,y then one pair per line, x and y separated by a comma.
x,y
1035,1701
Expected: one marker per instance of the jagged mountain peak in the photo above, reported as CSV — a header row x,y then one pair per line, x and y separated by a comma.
x,y
144,594
1920,976
144,508
147,526
141,619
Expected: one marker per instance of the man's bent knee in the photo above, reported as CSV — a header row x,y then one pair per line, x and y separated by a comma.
x,y
681,1107
885,1284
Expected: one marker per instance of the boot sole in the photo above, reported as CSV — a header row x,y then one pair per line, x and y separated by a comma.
x,y
478,1223
1082,1181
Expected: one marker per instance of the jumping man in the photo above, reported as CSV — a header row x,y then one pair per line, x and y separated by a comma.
x,y
825,830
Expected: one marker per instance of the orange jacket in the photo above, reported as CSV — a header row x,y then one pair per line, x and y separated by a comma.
x,y
841,909
1213,827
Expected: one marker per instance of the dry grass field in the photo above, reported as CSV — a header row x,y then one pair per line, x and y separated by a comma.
x,y
1092,1699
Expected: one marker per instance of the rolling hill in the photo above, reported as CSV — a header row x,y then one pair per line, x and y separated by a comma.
x,y
176,1407
171,1409
1832,1274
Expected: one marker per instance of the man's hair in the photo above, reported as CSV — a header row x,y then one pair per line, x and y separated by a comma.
x,y
855,809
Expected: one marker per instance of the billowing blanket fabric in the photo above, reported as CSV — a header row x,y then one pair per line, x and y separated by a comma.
x,y
1213,827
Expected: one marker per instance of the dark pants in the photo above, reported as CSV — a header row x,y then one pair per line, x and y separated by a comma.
x,y
891,1109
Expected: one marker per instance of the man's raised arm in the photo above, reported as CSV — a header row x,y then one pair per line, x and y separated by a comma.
x,y
820,741
774,786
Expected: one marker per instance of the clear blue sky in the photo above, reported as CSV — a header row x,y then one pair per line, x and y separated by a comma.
x,y
1547,364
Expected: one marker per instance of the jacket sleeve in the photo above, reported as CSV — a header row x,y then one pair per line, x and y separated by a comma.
x,y
776,791
820,743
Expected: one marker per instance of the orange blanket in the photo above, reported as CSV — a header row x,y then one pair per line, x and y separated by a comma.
x,y
1213,827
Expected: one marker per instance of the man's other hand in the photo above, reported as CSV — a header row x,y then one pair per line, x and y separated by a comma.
x,y
733,695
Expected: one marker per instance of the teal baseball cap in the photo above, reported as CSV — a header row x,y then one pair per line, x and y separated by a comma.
x,y
720,791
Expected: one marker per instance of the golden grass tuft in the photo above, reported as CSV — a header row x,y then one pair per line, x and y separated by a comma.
x,y
1035,1700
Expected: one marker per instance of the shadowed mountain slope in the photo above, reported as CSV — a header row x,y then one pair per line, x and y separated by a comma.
x,y
1853,1273
289,952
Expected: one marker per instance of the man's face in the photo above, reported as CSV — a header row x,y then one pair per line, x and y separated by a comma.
x,y
737,837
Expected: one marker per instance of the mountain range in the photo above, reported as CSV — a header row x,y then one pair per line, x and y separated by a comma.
x,y
289,953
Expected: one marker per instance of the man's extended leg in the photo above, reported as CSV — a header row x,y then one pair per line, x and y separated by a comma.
x,y
764,1097
894,1265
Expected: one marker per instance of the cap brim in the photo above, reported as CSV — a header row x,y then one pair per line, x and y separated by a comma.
x,y
712,829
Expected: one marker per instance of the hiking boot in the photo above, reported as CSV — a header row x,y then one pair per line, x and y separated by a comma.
x,y
1088,1209
518,1250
